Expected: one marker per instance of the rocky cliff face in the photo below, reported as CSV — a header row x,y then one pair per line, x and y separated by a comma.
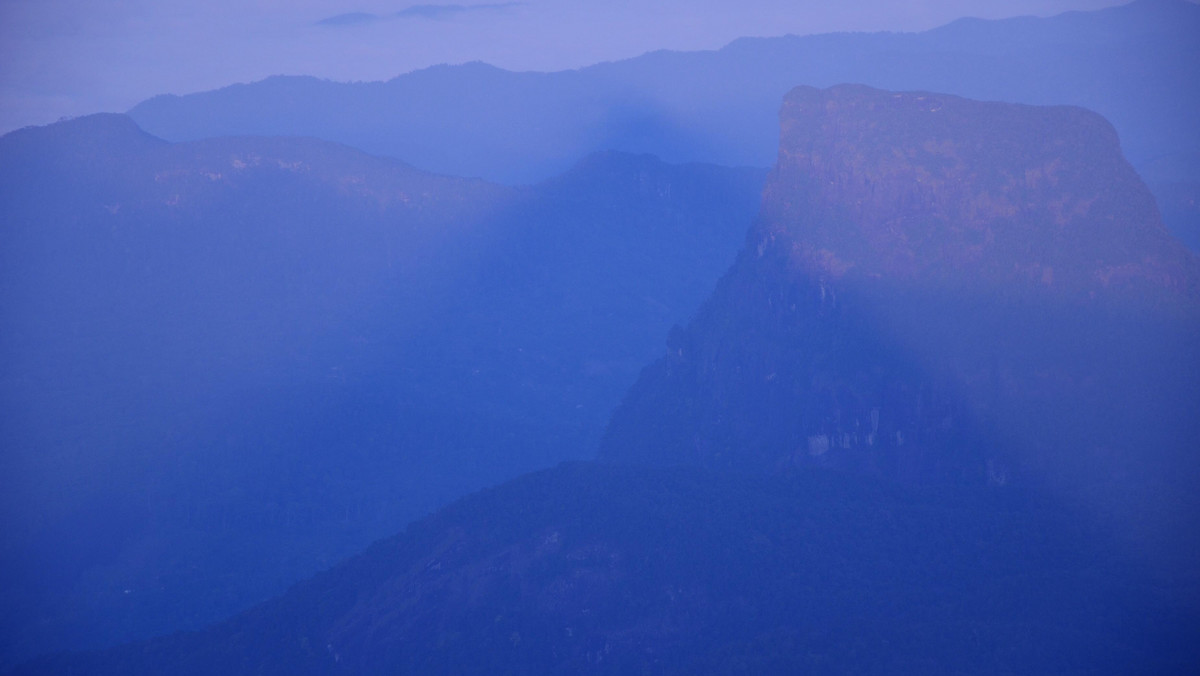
x,y
936,190
937,289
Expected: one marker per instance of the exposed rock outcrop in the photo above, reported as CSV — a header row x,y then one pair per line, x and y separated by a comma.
x,y
937,289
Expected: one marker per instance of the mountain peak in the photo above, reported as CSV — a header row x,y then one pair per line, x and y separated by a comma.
x,y
109,130
937,289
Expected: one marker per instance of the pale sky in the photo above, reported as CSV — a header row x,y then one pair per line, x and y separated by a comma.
x,y
73,57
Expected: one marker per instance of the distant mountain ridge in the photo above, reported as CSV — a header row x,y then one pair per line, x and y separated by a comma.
x,y
1134,64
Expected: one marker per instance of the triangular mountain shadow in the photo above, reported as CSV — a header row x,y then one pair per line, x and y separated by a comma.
x,y
228,363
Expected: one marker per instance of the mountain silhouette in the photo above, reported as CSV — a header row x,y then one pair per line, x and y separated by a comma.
x,y
1133,64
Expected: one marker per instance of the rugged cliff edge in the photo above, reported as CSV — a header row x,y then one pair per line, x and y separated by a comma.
x,y
934,190
940,289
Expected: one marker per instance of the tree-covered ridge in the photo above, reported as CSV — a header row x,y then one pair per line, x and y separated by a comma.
x,y
608,569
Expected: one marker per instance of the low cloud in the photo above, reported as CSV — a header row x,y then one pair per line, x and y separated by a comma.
x,y
349,19
447,11
431,12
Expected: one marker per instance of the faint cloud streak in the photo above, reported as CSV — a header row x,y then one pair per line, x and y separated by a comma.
x,y
430,12
349,19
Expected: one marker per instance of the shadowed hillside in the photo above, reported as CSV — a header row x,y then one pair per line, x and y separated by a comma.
x,y
229,363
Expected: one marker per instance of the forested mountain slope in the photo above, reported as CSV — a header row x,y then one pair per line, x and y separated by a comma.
x,y
595,569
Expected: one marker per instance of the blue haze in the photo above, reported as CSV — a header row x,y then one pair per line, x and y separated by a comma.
x,y
251,330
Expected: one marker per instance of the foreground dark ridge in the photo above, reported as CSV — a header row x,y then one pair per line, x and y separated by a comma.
x,y
593,569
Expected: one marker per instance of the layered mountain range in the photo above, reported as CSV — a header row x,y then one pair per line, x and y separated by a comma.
x,y
951,377
1134,64
937,417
